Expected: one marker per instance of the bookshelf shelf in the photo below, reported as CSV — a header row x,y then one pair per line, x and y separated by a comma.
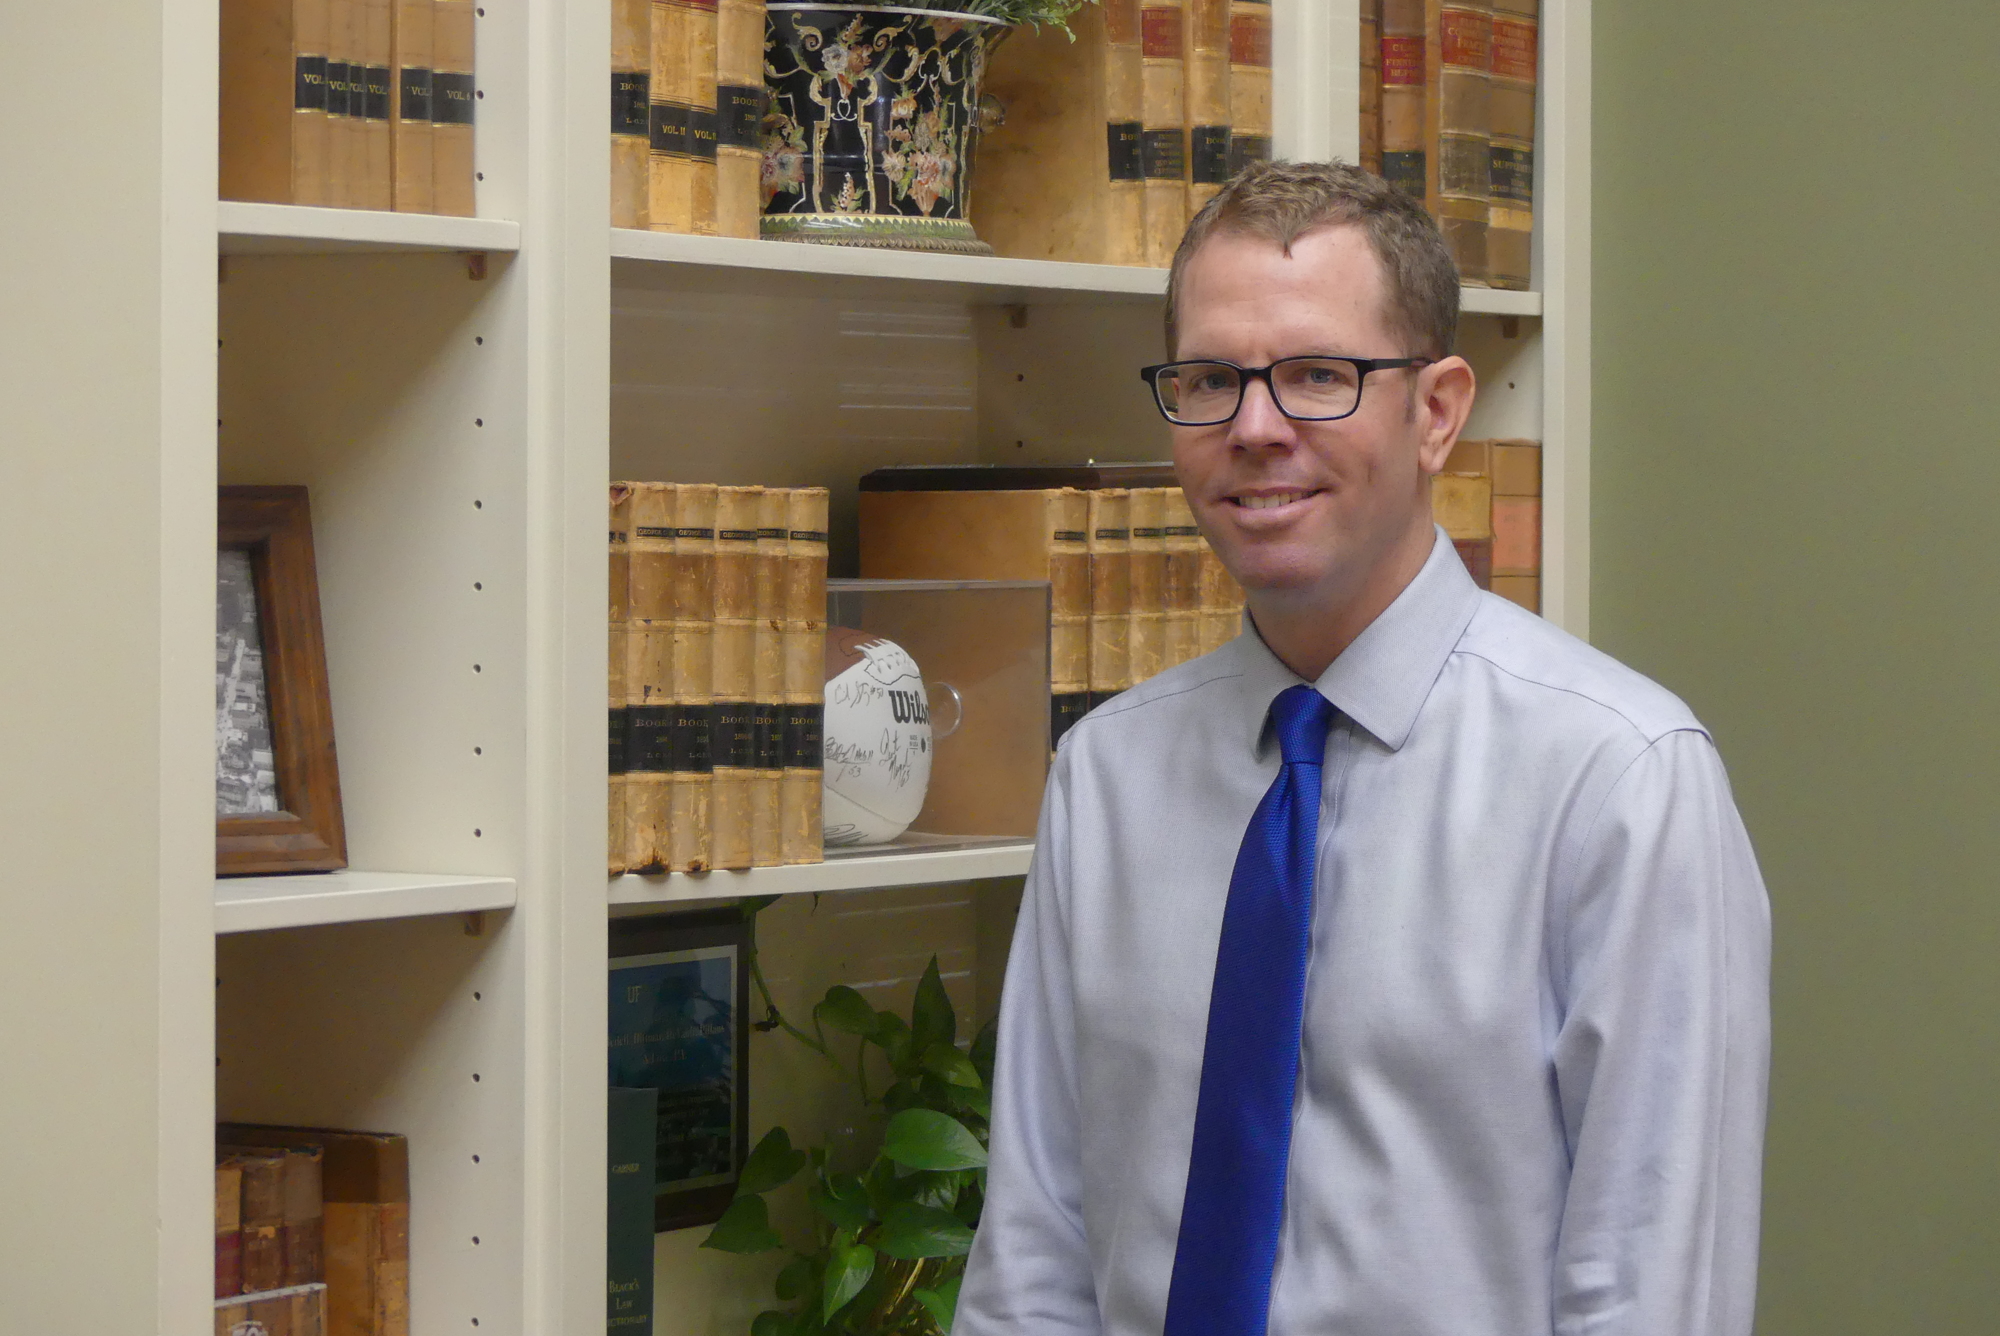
x,y
257,904
860,871
289,229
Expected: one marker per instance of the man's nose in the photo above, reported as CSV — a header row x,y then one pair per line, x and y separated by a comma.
x,y
1258,421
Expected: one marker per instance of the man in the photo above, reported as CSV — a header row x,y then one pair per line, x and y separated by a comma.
x,y
1400,969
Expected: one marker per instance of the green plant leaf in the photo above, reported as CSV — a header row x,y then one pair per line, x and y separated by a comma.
x,y
771,1163
927,1139
974,1101
905,1094
846,1272
894,1038
771,1322
954,1067
799,1275
845,1010
940,1302
843,1201
912,1232
938,1190
744,1228
932,1021
985,1045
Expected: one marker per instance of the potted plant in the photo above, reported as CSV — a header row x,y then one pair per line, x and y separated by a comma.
x,y
872,114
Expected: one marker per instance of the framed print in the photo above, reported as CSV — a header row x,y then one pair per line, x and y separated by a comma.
x,y
277,783
679,1007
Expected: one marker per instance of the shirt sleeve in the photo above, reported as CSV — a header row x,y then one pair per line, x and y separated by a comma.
x,y
1662,1055
1030,1272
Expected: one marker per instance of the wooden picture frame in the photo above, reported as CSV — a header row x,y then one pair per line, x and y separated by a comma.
x,y
291,822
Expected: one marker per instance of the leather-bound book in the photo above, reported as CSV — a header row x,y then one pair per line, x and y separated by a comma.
x,y
1110,552
701,114
1517,522
1059,179
228,1226
1069,610
694,675
739,117
287,1312
1221,602
646,843
1477,554
1370,108
1163,31
669,164
1458,171
454,94
1511,220
411,116
801,830
1462,493
617,615
631,54
273,101
1249,83
346,69
767,708
263,1217
733,681
1148,636
1207,100
1404,156
378,81
1183,580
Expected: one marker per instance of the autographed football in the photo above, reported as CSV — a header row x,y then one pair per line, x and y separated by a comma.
x,y
878,739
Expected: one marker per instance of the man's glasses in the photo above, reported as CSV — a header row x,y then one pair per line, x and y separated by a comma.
x,y
1306,389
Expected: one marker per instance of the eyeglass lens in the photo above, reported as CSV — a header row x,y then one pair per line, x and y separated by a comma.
x,y
1305,387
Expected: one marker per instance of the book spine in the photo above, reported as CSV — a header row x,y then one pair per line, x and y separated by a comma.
x,y
1462,505
304,1247
367,1268
272,101
739,117
1249,83
617,614
669,185
1124,102
1207,100
1370,107
1069,609
1477,556
343,126
454,94
1216,629
308,123
1517,522
1163,138
646,843
733,675
1110,538
801,828
378,173
411,147
699,57
693,757
767,729
228,1227
1511,220
631,39
631,1131
1458,79
1183,580
263,1221
1148,636
1403,64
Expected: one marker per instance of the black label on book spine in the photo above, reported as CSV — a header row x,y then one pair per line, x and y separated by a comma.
x,y
1070,536
736,535
1514,176
1122,138
1149,533
808,535
631,113
739,116
649,739
668,128
732,744
375,92
805,746
1065,708
767,735
309,83
451,98
1163,154
691,748
337,88
1405,171
1098,698
1248,150
1211,154
416,84
618,739
1181,531
694,533
778,534
1113,535
701,133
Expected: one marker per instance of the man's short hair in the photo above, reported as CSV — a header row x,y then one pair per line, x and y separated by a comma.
x,y
1283,201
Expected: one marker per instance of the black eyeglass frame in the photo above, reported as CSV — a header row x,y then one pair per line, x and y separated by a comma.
x,y
1362,367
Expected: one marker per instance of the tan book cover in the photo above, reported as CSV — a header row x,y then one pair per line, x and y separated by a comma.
x,y
304,1230
1525,590
344,68
1163,155
1405,161
694,675
1511,106
801,829
1370,106
631,56
228,1226
617,614
273,140
378,171
739,117
411,115
645,843
1148,634
733,679
1517,535
262,1216
1110,553
1207,100
454,96
1183,580
1068,521
700,57
1221,601
1463,505
768,679
1458,56
1059,179
1470,456
1517,468
1249,83
669,166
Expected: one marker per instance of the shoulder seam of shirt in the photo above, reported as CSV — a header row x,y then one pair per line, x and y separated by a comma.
x,y
1107,713
1693,726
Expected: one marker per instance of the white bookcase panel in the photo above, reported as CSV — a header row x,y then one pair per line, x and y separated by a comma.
x,y
843,870
256,904
288,229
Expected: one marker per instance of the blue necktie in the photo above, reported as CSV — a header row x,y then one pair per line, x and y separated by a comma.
x,y
1235,1199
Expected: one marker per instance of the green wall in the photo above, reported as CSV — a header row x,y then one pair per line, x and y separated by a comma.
x,y
1795,486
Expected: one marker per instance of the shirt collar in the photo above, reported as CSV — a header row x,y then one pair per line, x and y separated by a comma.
x,y
1381,680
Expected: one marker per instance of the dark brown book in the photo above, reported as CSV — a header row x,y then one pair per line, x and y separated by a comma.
x,y
1511,220
273,101
228,1226
631,77
1163,33
415,191
1249,83
1458,167
801,830
263,1216
1404,158
454,97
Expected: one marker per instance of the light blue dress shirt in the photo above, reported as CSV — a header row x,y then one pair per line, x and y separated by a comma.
x,y
1532,1085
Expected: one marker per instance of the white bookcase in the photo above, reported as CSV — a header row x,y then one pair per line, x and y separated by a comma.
x,y
456,392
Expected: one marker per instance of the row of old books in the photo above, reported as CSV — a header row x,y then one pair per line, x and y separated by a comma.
x,y
312,1232
687,113
1448,114
1488,499
1113,140
717,675
349,104
1134,588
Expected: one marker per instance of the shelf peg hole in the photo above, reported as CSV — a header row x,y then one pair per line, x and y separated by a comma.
x,y
475,668
477,585
475,1077
476,997
475,1240
479,505
480,93
475,1159
479,422
479,340
479,751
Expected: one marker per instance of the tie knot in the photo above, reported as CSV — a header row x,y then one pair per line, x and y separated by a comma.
x,y
1302,718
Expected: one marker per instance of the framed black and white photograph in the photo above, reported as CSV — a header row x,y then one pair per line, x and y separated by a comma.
x,y
277,780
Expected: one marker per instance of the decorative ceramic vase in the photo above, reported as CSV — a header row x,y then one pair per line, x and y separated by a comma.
x,y
873,113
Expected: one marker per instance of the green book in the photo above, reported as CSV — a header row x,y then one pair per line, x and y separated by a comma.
x,y
628,1299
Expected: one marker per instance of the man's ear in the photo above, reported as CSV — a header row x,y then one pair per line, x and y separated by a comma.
x,y
1445,391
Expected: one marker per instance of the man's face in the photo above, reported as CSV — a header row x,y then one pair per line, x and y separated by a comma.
x,y
1301,512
